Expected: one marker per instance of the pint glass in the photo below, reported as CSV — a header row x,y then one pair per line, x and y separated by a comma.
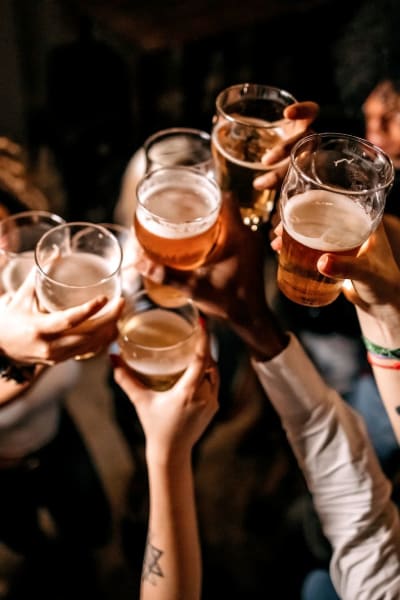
x,y
177,216
332,199
248,122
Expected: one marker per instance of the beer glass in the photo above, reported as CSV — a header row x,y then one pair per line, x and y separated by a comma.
x,y
77,262
19,234
332,199
248,122
131,280
157,343
177,216
179,146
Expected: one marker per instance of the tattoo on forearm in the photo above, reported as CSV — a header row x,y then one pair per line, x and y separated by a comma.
x,y
151,566
397,410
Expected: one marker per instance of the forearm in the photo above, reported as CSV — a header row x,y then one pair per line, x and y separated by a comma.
x,y
172,562
350,492
385,332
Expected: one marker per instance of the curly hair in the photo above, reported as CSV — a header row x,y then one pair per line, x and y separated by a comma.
x,y
368,52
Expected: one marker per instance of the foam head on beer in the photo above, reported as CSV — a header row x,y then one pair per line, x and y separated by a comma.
x,y
332,199
177,216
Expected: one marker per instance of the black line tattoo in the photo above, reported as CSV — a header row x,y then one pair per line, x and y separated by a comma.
x,y
151,565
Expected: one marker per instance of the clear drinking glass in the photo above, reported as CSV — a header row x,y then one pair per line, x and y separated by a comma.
x,y
77,262
249,121
19,235
131,280
157,342
332,199
179,146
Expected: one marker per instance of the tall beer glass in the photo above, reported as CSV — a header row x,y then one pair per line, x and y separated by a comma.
x,y
158,343
332,199
248,122
177,216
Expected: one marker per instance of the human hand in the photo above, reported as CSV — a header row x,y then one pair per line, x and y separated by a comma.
x,y
373,276
374,272
230,285
173,420
303,114
30,336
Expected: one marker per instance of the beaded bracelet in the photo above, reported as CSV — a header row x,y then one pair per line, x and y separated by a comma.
x,y
383,361
380,350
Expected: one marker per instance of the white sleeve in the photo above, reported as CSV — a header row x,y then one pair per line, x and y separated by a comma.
x,y
350,493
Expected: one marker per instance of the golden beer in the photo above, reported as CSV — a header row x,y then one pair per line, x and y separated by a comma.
x,y
177,216
315,222
249,122
158,343
237,164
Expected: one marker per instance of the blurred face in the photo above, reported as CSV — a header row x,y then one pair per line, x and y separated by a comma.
x,y
382,120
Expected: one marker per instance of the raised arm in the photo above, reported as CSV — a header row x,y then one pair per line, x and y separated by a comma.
x,y
173,421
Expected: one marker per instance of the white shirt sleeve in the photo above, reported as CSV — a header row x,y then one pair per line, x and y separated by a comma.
x,y
350,492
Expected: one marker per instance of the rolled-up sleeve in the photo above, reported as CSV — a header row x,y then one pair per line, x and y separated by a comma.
x,y
350,492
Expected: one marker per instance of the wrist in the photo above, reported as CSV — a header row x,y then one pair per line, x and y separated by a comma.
x,y
262,334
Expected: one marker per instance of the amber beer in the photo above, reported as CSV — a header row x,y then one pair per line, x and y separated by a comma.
x,y
249,121
158,343
315,222
237,164
177,216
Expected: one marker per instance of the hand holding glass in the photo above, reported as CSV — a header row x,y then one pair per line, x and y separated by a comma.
x,y
158,343
332,199
76,262
249,121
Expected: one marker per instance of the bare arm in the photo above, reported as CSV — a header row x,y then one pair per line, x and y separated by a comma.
x,y
173,421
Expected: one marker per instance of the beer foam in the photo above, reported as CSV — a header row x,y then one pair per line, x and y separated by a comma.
x,y
326,221
177,212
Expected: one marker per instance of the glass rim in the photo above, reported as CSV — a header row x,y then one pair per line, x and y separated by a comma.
x,y
249,89
24,215
160,135
71,224
189,303
191,171
346,136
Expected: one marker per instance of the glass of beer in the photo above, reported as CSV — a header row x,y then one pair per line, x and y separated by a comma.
x,y
248,122
131,280
157,342
19,235
179,146
77,262
332,199
177,216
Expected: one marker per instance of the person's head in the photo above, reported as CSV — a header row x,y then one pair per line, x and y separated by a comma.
x,y
381,111
368,72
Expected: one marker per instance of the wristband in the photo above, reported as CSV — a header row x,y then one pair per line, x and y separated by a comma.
x,y
9,370
382,361
380,350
